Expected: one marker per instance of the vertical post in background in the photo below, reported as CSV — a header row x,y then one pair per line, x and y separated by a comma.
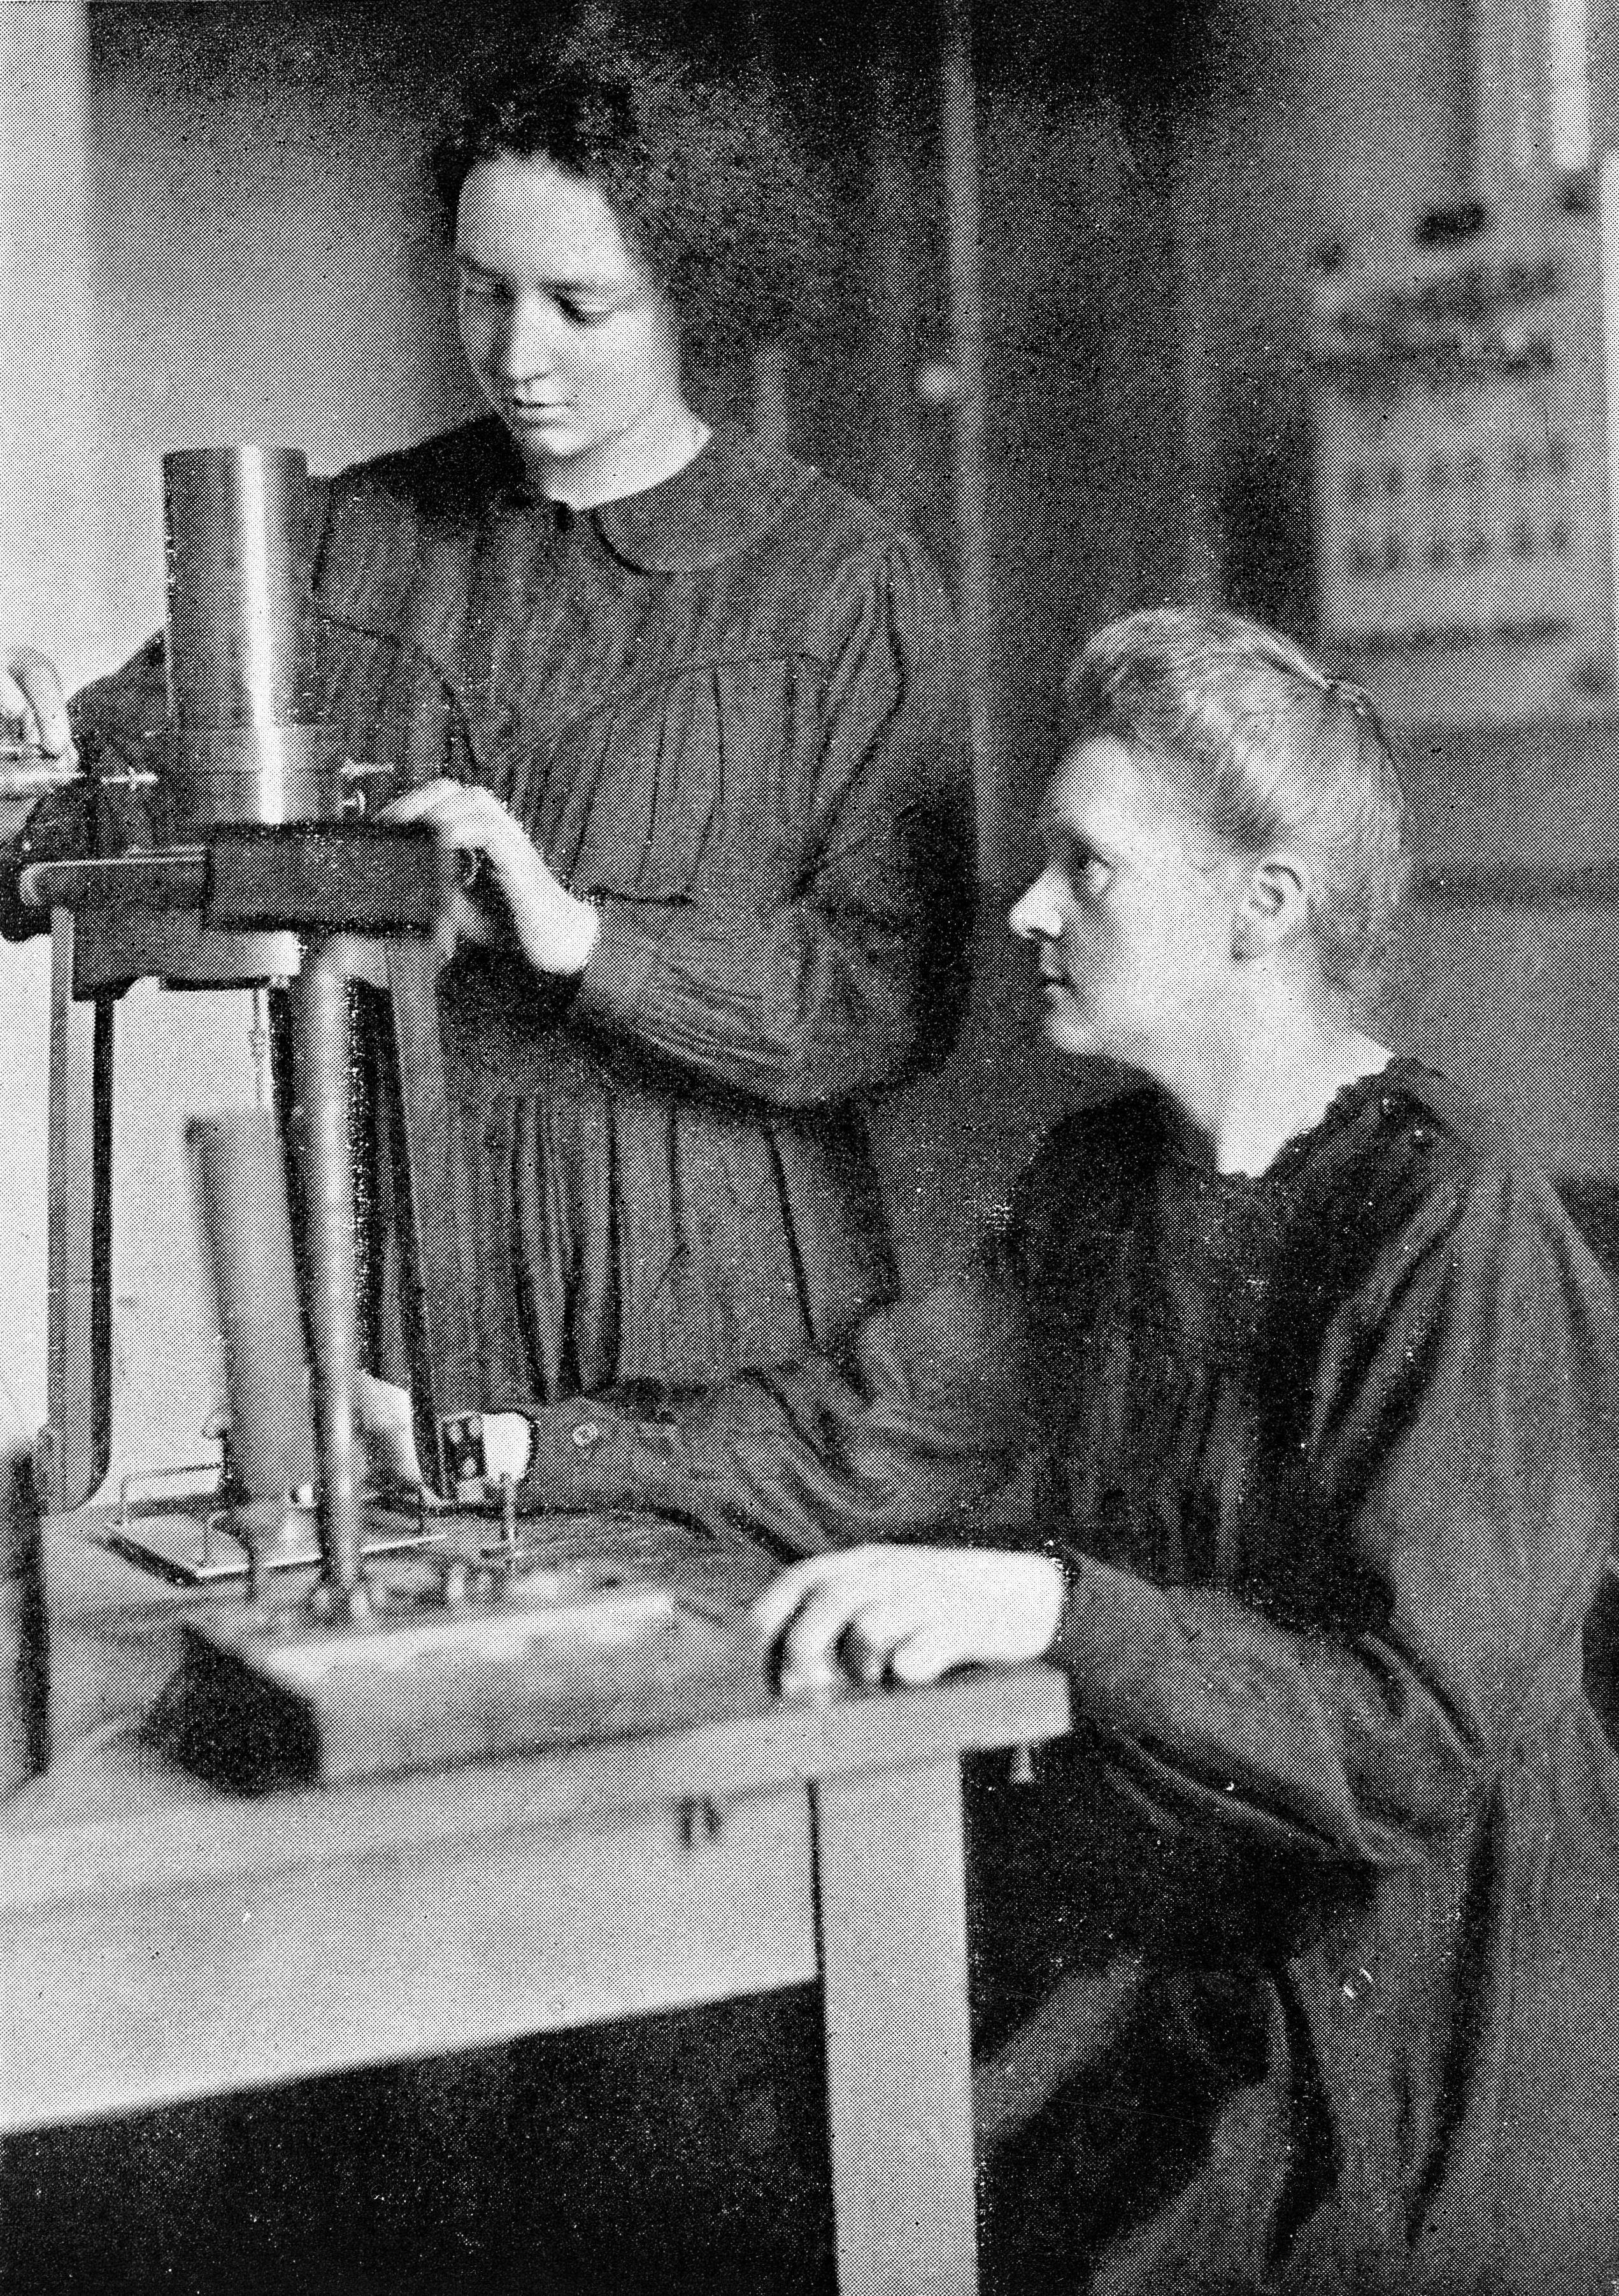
x,y
1607,259
769,415
1570,122
1461,101
74,1447
959,132
1193,164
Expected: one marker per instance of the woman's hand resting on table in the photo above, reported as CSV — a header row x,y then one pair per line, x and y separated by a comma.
x,y
866,1614
555,930
906,1614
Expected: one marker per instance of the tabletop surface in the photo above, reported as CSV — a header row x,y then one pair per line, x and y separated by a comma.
x,y
114,1813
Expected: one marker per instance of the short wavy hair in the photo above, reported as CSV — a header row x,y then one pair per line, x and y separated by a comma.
x,y
1265,750
702,174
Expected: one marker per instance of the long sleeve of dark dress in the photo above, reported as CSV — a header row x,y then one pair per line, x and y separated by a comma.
x,y
1334,1455
805,991
1334,1594
1395,1552
726,710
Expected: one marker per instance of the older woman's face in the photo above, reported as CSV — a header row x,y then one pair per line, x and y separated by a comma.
x,y
1133,917
571,344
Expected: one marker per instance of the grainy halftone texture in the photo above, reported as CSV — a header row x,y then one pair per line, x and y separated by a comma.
x,y
1511,985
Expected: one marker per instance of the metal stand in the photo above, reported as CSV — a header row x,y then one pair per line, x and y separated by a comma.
x,y
317,882
321,1056
75,1445
250,859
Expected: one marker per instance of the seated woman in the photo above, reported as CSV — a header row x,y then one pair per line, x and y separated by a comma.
x,y
1297,1395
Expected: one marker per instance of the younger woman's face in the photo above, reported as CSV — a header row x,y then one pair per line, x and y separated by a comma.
x,y
1133,917
571,344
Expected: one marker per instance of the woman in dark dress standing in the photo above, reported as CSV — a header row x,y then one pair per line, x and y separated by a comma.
x,y
688,713
1296,1398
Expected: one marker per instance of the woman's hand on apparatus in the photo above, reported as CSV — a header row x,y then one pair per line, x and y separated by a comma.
x,y
33,707
388,1430
555,930
906,1614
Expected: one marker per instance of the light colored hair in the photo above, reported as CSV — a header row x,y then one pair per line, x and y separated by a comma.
x,y
1266,751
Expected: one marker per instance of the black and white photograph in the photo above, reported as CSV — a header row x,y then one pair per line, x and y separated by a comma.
x,y
809,1148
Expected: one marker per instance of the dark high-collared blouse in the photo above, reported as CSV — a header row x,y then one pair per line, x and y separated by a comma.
x,y
725,710
1334,1457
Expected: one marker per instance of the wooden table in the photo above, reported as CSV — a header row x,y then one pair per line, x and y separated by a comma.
x,y
162,1941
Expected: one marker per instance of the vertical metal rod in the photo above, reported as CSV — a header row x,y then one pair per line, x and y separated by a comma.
x,y
1607,270
959,129
322,1141
76,1442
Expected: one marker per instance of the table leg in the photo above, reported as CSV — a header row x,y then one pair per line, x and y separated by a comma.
x,y
890,1887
